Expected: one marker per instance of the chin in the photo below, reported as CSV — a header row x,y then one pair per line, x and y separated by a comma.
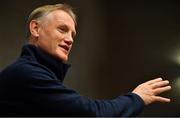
x,y
61,56
63,59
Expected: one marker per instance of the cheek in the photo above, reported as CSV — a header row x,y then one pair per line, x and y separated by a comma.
x,y
45,41
51,39
59,39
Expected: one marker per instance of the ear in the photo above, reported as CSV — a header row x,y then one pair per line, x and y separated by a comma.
x,y
34,28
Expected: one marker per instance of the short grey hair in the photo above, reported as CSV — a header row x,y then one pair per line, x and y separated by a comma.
x,y
42,11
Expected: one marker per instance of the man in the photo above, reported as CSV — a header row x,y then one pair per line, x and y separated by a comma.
x,y
33,85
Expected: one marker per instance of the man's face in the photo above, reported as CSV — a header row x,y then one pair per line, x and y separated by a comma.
x,y
56,33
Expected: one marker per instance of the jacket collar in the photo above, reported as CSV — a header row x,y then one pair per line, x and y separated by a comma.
x,y
45,59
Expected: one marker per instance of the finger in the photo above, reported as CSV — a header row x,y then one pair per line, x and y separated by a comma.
x,y
154,81
161,90
159,84
161,99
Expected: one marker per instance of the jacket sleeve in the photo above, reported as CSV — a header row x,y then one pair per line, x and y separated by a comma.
x,y
50,97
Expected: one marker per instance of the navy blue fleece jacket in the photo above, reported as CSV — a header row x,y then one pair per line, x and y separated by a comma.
x,y
33,86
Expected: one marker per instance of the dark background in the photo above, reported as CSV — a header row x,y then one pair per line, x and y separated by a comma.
x,y
119,45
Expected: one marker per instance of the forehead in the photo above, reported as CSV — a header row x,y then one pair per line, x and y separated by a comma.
x,y
61,17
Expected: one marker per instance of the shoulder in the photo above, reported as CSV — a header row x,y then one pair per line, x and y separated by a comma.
x,y
27,69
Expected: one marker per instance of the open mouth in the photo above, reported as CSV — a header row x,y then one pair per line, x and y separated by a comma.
x,y
66,48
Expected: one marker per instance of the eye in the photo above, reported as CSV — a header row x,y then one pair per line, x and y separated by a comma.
x,y
63,29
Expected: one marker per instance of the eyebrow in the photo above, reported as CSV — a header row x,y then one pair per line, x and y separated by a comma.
x,y
67,26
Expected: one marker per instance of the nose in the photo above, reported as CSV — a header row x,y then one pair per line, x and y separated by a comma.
x,y
69,39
